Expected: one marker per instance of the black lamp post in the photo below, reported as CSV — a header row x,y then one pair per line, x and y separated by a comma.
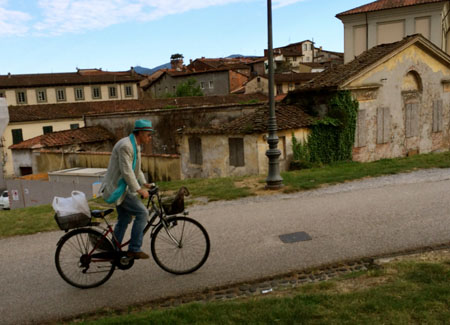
x,y
273,180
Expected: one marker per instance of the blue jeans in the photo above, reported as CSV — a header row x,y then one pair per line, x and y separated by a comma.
x,y
131,206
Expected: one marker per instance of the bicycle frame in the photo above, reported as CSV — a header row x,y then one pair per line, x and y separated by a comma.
x,y
155,211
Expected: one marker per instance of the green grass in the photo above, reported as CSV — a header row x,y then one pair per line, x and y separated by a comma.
x,y
36,219
213,188
407,293
345,171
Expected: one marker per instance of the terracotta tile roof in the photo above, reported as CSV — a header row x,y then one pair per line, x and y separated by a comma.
x,y
294,77
337,75
82,77
29,113
66,137
288,117
385,4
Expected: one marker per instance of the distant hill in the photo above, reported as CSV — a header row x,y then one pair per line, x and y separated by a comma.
x,y
147,71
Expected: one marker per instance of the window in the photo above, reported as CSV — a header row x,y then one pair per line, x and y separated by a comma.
x,y
202,85
60,95
21,97
79,94
437,116
412,120
2,93
294,58
282,147
96,93
279,89
236,146
17,135
41,95
361,129
305,47
47,129
195,151
383,125
211,84
25,171
74,126
291,86
112,92
128,91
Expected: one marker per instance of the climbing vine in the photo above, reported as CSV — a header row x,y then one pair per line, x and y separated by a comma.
x,y
332,137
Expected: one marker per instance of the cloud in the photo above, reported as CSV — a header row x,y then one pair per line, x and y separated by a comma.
x,y
57,17
283,3
12,23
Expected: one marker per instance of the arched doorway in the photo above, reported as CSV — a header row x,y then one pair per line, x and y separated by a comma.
x,y
412,99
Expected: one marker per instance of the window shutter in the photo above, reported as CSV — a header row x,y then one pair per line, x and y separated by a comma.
x,y
195,151
408,114
236,151
380,127
437,116
386,124
361,129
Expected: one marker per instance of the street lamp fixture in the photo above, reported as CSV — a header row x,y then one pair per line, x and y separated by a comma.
x,y
273,180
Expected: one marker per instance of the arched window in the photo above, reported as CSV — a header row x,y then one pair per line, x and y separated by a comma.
x,y
412,82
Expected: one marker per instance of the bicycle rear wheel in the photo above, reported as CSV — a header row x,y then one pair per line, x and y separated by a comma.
x,y
182,247
84,258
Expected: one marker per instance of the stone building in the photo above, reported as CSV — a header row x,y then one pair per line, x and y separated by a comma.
x,y
239,147
403,90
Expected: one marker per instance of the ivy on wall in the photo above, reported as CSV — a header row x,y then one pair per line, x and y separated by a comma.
x,y
332,137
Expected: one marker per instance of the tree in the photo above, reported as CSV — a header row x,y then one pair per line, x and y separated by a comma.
x,y
176,56
188,88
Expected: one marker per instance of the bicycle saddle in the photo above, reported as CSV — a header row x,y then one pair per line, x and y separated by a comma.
x,y
100,213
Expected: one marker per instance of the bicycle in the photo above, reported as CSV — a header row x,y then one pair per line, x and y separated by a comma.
x,y
87,256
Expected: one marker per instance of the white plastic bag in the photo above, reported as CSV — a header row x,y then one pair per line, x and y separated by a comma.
x,y
77,203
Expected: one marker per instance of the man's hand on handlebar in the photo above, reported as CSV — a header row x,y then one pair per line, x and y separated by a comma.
x,y
143,193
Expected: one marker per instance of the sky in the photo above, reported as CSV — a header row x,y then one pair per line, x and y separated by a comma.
x,y
49,36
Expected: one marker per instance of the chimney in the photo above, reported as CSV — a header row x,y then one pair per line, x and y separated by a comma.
x,y
176,64
9,74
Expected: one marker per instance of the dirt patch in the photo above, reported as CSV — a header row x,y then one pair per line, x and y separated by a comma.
x,y
257,185
431,256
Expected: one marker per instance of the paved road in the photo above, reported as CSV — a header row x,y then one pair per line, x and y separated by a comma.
x,y
346,221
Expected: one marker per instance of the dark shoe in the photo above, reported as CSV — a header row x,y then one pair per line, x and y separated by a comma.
x,y
138,255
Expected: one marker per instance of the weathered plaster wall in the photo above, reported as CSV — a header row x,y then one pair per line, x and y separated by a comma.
x,y
285,147
155,167
397,89
216,161
166,122
216,158
168,84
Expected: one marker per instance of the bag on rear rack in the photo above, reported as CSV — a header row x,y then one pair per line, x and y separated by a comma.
x,y
72,212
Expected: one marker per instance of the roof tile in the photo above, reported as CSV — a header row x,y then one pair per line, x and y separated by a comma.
x,y
70,78
29,113
66,137
288,117
385,4
335,76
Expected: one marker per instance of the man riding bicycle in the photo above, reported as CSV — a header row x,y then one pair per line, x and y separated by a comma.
x,y
124,181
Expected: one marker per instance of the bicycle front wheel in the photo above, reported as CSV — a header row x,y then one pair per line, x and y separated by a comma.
x,y
84,258
180,246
